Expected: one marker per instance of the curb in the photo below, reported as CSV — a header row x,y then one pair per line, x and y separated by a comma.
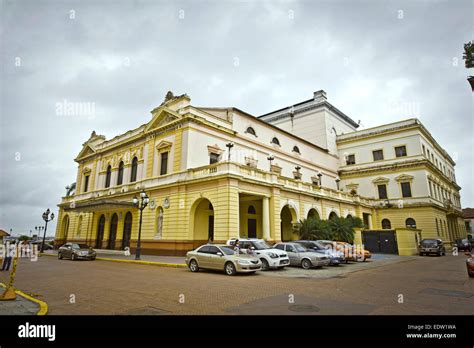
x,y
43,305
140,262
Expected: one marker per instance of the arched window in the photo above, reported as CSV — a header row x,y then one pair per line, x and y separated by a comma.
x,y
107,176
410,223
276,141
120,174
386,224
133,175
296,149
250,130
251,210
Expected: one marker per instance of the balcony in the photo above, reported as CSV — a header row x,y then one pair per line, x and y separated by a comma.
x,y
219,169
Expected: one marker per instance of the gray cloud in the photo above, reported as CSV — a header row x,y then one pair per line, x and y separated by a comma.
x,y
122,57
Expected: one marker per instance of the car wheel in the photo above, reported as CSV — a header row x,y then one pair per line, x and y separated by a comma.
x,y
265,265
60,256
93,258
230,269
306,264
73,257
193,266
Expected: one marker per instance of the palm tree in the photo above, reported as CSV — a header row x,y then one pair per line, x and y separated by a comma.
x,y
312,229
342,229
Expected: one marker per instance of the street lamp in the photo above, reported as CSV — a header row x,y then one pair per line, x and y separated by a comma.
x,y
229,146
144,200
337,182
47,218
319,174
270,159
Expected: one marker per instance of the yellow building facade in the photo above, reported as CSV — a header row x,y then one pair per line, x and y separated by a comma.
x,y
219,173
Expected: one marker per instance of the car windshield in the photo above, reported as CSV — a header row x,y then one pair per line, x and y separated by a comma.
x,y
428,243
227,250
299,248
80,246
260,245
321,246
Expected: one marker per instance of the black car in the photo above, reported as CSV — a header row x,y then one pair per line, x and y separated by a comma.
x,y
75,251
463,245
432,246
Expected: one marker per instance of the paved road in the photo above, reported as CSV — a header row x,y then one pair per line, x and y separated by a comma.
x,y
429,285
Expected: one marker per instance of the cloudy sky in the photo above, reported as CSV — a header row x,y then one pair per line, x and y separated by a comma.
x,y
378,61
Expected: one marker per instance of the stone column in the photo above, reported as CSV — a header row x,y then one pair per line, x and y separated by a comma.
x,y
266,218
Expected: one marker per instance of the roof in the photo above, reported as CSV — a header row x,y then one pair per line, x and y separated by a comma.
x,y
4,233
468,213
312,104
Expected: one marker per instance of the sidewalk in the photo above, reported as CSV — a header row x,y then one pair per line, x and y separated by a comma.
x,y
117,255
22,305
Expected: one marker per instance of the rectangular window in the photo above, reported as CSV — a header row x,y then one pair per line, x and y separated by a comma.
x,y
431,190
400,151
213,158
164,163
378,155
406,189
382,191
86,183
424,150
350,159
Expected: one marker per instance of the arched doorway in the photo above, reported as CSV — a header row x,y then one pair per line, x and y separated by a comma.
x,y
251,222
127,230
288,218
113,232
203,220
100,232
332,215
313,214
65,226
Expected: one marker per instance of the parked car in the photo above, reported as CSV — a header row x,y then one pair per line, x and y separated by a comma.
x,y
270,257
221,257
75,251
432,246
463,245
302,257
351,253
335,257
470,264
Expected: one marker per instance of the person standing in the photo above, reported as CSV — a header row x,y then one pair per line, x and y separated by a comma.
x,y
9,253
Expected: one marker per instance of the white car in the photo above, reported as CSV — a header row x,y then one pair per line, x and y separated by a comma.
x,y
271,258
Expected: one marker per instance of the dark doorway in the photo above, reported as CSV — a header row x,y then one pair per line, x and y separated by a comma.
x,y
113,232
127,230
100,232
384,242
210,231
252,228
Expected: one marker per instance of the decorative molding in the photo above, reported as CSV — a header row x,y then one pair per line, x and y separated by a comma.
x,y
164,146
404,177
214,149
381,180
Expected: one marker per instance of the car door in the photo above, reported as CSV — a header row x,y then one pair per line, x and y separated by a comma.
x,y
67,250
216,261
292,255
203,256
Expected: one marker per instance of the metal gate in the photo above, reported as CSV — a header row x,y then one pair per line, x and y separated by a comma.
x,y
383,241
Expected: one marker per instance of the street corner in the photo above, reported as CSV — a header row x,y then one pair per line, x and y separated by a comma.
x,y
22,304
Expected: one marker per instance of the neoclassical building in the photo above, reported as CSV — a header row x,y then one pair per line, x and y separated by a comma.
x,y
219,173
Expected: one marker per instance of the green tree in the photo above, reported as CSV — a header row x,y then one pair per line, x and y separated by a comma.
x,y
23,237
342,229
313,229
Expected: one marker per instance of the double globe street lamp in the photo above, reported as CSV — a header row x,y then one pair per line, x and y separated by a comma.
x,y
47,218
140,204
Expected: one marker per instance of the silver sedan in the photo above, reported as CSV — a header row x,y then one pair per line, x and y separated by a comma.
x,y
302,257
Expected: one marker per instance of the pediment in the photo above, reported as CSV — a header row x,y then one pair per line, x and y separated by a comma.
x,y
164,145
86,151
161,117
380,180
404,177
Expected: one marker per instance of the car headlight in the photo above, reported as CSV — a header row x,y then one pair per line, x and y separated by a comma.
x,y
244,262
273,255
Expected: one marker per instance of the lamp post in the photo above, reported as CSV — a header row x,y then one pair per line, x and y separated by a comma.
x,y
229,145
144,200
319,174
337,182
39,229
47,218
270,159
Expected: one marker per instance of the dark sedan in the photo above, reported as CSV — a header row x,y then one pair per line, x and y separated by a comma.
x,y
75,251
432,246
463,245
